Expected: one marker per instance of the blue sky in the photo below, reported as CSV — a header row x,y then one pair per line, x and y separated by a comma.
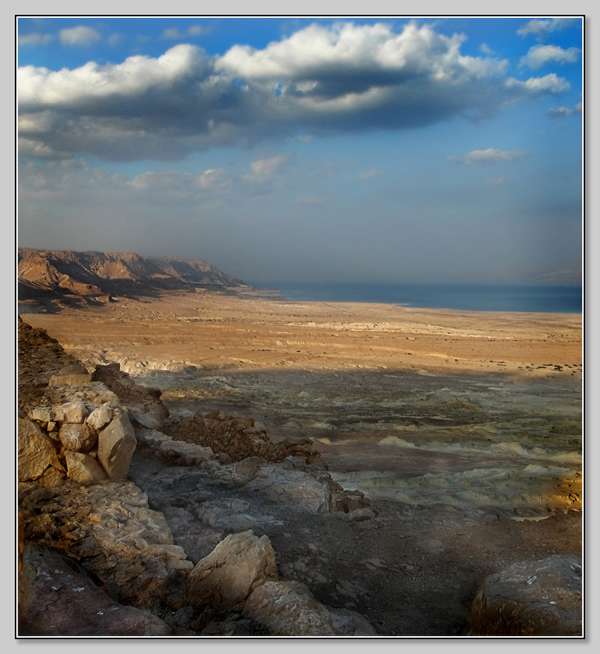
x,y
282,149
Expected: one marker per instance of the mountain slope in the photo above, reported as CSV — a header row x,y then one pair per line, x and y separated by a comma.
x,y
57,278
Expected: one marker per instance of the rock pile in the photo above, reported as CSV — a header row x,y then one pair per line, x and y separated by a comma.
x,y
73,426
235,438
143,403
240,574
105,563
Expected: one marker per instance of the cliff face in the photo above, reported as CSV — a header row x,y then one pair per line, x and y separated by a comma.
x,y
50,279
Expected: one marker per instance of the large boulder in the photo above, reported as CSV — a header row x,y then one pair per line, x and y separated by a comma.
x,y
77,437
186,454
71,412
144,404
36,451
228,575
533,598
83,469
278,484
116,445
126,547
287,608
350,623
151,415
57,600
100,417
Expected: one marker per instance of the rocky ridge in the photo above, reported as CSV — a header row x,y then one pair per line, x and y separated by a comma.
x,y
52,279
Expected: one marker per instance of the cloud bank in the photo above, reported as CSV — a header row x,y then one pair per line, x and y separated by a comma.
x,y
321,80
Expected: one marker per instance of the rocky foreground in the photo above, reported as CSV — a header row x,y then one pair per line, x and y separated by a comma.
x,y
96,560
137,521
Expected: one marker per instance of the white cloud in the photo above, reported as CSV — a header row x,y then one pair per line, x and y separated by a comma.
x,y
318,81
327,56
162,181
213,178
564,112
34,39
548,84
367,174
80,35
92,82
491,155
263,169
485,48
539,55
542,27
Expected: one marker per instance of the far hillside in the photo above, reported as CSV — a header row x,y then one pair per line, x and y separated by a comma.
x,y
52,279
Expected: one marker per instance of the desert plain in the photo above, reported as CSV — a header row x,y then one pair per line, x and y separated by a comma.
x,y
464,429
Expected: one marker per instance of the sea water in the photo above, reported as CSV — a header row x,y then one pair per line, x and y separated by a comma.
x,y
461,297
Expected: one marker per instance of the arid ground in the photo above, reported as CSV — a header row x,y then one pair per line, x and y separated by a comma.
x,y
464,429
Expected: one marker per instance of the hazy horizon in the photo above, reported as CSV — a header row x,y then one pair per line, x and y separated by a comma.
x,y
392,150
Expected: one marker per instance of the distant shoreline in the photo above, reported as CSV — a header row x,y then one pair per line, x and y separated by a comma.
x,y
519,298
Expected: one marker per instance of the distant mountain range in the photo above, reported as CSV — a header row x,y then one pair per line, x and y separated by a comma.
x,y
51,279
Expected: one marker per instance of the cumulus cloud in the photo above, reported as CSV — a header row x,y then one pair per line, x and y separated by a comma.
x,y
542,27
539,55
564,112
319,80
325,62
34,38
80,36
535,85
263,169
491,155
162,181
213,178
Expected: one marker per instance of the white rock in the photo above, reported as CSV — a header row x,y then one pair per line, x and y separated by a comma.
x,y
83,469
77,437
36,451
100,417
72,412
116,445
228,575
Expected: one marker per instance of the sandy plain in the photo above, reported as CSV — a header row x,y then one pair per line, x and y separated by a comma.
x,y
464,429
